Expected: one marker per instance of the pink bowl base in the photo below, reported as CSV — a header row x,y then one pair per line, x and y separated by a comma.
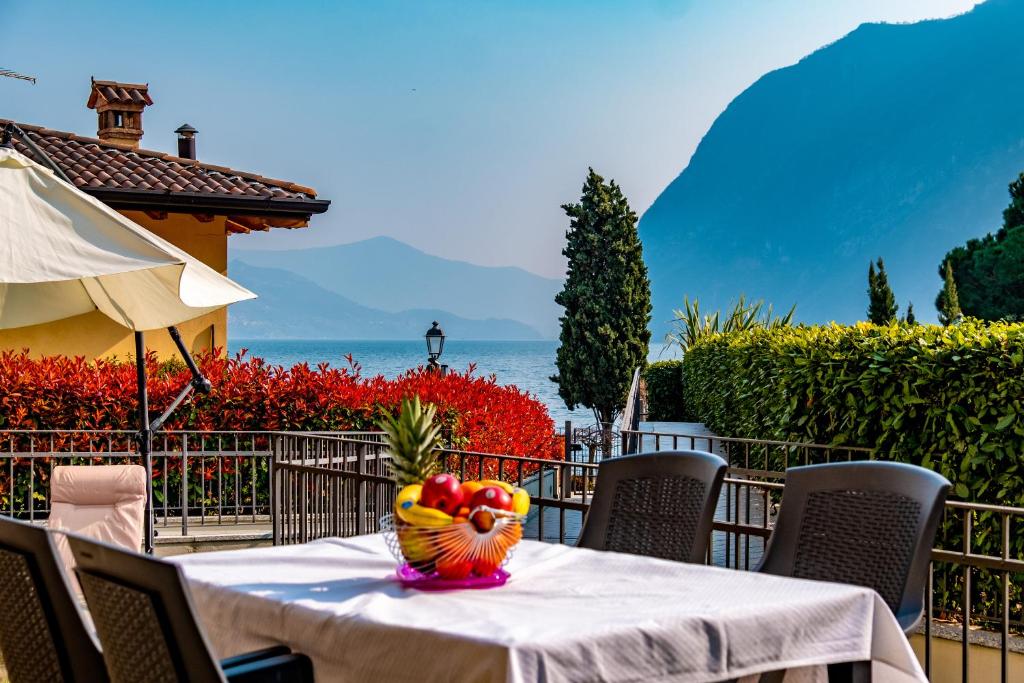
x,y
411,578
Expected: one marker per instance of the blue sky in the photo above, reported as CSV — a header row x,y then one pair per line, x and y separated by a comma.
x,y
458,127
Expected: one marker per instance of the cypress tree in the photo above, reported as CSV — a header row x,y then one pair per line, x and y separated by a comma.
x,y
910,319
948,301
881,301
872,285
607,302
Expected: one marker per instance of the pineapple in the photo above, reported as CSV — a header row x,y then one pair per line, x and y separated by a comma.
x,y
413,441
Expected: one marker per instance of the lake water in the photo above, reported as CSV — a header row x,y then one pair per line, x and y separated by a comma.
x,y
526,364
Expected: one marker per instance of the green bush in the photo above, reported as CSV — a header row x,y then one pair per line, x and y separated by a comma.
x,y
946,398
664,380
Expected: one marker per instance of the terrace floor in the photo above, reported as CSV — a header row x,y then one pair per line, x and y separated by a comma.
x,y
210,537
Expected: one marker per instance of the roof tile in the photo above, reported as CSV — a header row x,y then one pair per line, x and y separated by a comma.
x,y
89,162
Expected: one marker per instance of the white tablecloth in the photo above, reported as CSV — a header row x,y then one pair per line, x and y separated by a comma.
x,y
566,614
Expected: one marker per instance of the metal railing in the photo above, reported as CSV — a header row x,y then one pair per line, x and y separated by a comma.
x,y
200,478
335,485
634,411
317,485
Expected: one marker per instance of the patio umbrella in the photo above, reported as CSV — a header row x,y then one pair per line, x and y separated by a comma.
x,y
64,253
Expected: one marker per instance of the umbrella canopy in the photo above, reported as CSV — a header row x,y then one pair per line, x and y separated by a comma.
x,y
64,253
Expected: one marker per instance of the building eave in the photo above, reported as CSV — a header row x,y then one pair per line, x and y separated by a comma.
x,y
201,202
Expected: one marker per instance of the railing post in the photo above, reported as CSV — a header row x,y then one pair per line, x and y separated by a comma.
x,y
567,437
361,490
275,515
565,480
965,659
184,484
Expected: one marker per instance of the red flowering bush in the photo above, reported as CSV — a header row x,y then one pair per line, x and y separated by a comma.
x,y
249,394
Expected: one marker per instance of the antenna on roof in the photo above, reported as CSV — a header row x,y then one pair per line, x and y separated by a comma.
x,y
11,130
13,74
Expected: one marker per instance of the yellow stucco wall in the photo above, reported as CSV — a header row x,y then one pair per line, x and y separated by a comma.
x,y
94,335
984,662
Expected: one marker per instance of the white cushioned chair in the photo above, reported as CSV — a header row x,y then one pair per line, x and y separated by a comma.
x,y
103,502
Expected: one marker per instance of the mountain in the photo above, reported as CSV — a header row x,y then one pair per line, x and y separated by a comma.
x,y
896,141
291,307
389,275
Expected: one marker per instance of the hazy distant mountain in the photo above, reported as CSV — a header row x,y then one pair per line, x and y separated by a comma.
x,y
389,275
292,307
896,141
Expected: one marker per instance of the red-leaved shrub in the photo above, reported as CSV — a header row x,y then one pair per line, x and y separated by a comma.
x,y
249,394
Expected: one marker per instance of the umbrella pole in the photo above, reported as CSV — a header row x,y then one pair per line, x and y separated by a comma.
x,y
145,435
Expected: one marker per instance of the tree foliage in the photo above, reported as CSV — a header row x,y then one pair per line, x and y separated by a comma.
x,y
607,302
909,318
989,272
689,326
881,301
948,300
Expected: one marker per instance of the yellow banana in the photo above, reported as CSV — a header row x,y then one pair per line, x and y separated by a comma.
x,y
409,510
420,515
408,496
520,501
415,546
509,489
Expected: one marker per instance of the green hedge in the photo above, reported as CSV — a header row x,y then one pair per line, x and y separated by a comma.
x,y
946,398
949,398
664,380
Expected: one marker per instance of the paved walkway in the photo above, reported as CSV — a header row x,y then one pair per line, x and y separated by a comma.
x,y
211,536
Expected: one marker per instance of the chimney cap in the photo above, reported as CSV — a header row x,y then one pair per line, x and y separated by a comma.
x,y
185,130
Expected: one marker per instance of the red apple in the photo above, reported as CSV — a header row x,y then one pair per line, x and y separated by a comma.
x,y
493,497
454,569
442,492
484,567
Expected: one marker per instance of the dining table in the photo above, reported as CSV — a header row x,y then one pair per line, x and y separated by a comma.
x,y
565,614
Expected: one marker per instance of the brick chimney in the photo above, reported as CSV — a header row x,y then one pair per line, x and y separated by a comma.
x,y
119,110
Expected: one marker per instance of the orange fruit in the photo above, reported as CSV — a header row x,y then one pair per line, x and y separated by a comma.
x,y
469,488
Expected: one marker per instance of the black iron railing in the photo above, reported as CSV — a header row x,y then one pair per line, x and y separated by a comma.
x,y
200,478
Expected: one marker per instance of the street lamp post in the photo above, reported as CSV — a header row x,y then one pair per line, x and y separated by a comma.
x,y
435,345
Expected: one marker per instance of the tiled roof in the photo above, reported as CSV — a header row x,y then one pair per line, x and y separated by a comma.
x,y
92,165
112,92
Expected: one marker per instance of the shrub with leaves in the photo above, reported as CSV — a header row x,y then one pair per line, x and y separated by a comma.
x,y
689,326
664,381
474,413
947,398
250,394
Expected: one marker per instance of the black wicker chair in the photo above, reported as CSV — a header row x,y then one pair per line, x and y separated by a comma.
x,y
655,504
864,523
143,614
42,635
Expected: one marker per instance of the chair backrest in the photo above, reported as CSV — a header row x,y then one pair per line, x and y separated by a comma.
x,y
143,615
656,504
42,635
105,502
865,523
